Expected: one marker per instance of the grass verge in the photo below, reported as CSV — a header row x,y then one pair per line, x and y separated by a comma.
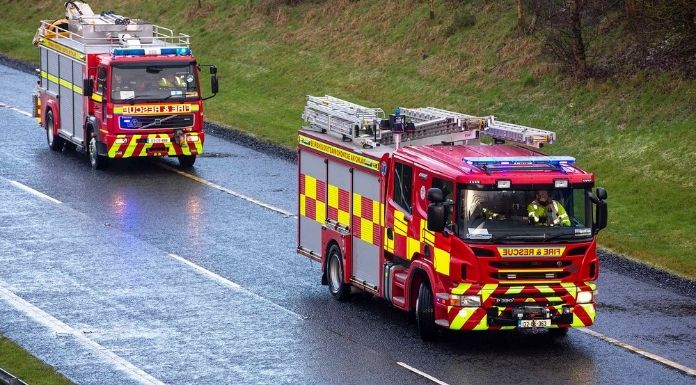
x,y
635,133
27,368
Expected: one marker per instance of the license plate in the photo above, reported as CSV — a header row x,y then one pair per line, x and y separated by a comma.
x,y
534,323
157,140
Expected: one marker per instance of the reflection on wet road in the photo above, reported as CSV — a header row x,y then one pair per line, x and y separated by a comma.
x,y
143,275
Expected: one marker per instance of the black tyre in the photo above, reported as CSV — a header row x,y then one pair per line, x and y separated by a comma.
x,y
334,271
98,162
186,161
54,141
425,313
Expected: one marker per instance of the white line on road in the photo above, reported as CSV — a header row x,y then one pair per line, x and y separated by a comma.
x,y
216,186
61,329
664,361
33,192
226,282
420,373
16,109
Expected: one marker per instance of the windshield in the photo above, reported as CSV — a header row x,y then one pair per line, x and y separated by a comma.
x,y
154,82
524,215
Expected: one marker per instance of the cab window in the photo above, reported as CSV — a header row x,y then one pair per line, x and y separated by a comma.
x,y
403,186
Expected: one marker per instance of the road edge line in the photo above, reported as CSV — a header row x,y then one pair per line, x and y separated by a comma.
x,y
33,192
421,373
239,195
651,356
60,328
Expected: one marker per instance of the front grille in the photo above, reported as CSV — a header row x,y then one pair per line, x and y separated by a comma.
x,y
156,122
530,272
557,296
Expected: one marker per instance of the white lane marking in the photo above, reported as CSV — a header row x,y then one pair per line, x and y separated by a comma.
x,y
61,329
664,361
426,375
216,186
232,285
16,109
32,191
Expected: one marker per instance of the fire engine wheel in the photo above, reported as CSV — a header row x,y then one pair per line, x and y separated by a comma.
x,y
54,141
425,313
339,289
98,162
186,161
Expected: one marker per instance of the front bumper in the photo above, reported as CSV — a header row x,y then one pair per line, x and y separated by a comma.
x,y
162,144
504,306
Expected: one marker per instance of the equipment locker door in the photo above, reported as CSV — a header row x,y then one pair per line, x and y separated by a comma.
x,y
312,188
366,228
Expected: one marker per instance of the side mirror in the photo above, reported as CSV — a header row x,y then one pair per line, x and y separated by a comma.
x,y
436,217
600,216
601,193
87,87
435,195
214,87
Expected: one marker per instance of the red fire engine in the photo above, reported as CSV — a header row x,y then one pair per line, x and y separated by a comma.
x,y
413,208
118,87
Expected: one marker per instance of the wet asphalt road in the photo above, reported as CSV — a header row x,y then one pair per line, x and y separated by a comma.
x,y
103,286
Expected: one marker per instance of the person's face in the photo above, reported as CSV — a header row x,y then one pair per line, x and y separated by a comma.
x,y
542,196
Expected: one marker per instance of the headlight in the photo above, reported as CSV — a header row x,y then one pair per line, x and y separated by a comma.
x,y
584,297
458,300
470,300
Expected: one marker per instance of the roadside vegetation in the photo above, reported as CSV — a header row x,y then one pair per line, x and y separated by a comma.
x,y
27,368
627,115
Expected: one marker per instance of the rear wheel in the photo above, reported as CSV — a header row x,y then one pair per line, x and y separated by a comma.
x,y
425,313
98,162
54,141
334,270
186,161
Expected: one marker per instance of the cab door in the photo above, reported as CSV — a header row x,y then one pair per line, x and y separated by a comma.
x,y
401,239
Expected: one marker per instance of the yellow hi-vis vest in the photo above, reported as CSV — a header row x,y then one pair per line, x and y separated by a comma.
x,y
552,215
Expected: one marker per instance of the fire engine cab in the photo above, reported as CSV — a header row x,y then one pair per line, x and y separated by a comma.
x,y
414,209
118,88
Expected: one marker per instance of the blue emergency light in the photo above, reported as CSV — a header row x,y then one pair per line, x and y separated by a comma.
x,y
520,160
180,51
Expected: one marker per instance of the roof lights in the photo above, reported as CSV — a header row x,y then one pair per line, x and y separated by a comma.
x,y
520,160
179,51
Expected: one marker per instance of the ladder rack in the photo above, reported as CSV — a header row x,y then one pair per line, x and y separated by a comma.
x,y
529,136
349,120
86,31
368,126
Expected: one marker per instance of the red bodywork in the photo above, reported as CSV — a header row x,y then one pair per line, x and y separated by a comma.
x,y
422,253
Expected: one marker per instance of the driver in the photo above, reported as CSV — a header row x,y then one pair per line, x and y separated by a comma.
x,y
544,210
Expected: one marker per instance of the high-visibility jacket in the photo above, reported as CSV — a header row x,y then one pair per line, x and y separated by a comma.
x,y
553,215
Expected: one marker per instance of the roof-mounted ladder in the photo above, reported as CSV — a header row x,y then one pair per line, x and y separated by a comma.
x,y
351,121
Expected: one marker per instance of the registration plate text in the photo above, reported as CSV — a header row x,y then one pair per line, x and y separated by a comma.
x,y
534,323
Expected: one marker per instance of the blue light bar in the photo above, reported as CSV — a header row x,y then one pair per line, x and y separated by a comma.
x,y
180,51
520,160
128,52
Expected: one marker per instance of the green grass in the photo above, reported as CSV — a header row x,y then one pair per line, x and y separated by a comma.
x,y
636,134
27,368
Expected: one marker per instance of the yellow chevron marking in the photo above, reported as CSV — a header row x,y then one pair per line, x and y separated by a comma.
x,y
461,288
131,146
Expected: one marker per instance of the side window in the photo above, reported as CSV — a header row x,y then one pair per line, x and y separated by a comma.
x,y
101,80
578,206
447,189
403,185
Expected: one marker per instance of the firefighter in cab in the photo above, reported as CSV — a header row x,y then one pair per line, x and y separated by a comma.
x,y
546,211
